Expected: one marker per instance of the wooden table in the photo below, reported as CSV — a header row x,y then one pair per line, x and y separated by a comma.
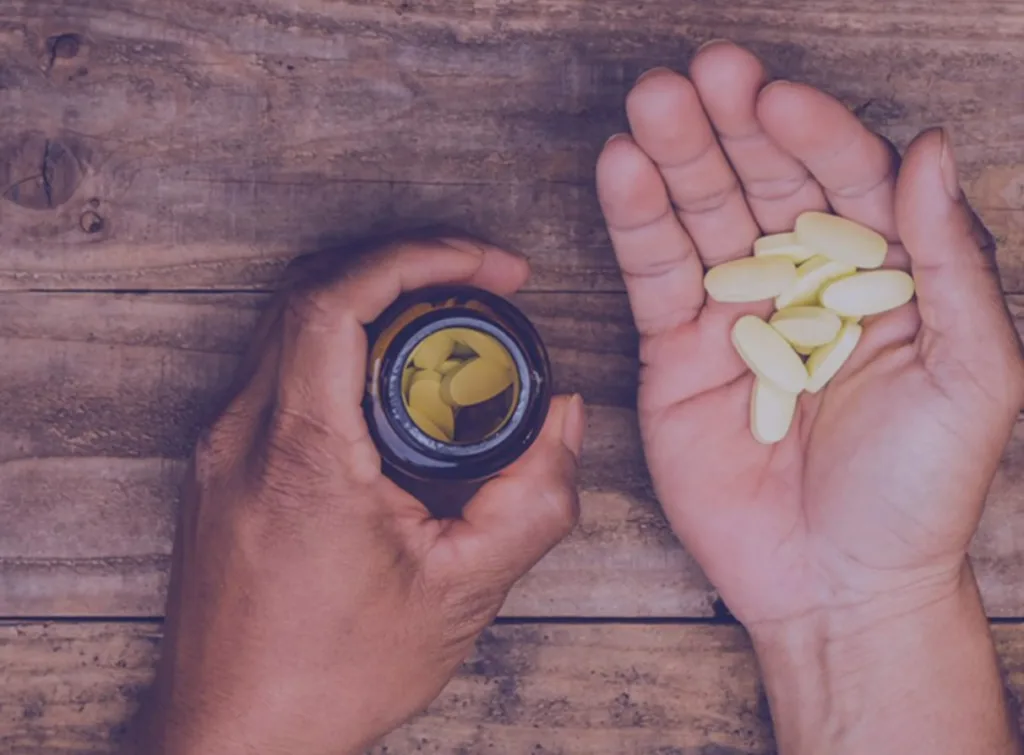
x,y
160,161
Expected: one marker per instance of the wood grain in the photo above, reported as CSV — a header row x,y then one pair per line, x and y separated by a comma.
x,y
153,145
103,395
69,688
107,394
531,689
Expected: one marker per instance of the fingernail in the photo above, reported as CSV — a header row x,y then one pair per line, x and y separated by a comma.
x,y
463,244
773,84
712,43
513,252
947,164
647,74
615,137
574,423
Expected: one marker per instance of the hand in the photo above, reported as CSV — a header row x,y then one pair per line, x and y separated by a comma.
x,y
865,511
880,484
315,605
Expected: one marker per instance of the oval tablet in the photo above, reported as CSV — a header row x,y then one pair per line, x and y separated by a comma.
x,y
768,355
807,327
450,366
423,423
477,381
869,293
425,398
824,363
771,412
810,278
841,239
782,245
433,350
750,279
419,376
482,344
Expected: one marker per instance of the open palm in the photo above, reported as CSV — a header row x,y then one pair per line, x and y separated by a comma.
x,y
880,484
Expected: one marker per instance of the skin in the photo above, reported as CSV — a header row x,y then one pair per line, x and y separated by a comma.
x,y
315,606
843,548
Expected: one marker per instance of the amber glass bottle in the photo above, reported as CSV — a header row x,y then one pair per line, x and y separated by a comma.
x,y
458,386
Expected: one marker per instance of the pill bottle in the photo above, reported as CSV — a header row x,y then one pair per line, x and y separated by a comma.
x,y
458,386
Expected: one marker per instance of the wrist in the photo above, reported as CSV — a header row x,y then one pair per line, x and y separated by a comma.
x,y
165,739
168,726
870,613
875,676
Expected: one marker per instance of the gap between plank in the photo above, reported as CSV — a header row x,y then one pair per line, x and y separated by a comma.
x,y
215,291
500,621
250,291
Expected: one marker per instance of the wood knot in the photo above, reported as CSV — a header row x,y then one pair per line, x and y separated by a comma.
x,y
64,46
39,173
91,222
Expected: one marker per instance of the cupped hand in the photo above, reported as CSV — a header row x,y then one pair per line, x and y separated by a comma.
x,y
314,604
880,484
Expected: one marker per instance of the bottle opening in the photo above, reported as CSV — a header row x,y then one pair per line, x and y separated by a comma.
x,y
460,386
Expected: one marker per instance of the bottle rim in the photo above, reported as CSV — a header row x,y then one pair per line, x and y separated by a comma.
x,y
398,414
411,452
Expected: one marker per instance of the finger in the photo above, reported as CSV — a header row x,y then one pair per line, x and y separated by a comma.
x,y
777,186
897,258
369,287
669,123
658,260
854,166
322,374
966,324
517,518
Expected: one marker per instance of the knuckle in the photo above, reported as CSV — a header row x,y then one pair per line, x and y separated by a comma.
x,y
303,306
218,449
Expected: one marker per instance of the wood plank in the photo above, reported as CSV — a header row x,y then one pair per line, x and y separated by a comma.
x,y
107,393
528,689
204,148
102,397
542,689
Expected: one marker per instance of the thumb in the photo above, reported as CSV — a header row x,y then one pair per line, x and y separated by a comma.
x,y
964,316
515,519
